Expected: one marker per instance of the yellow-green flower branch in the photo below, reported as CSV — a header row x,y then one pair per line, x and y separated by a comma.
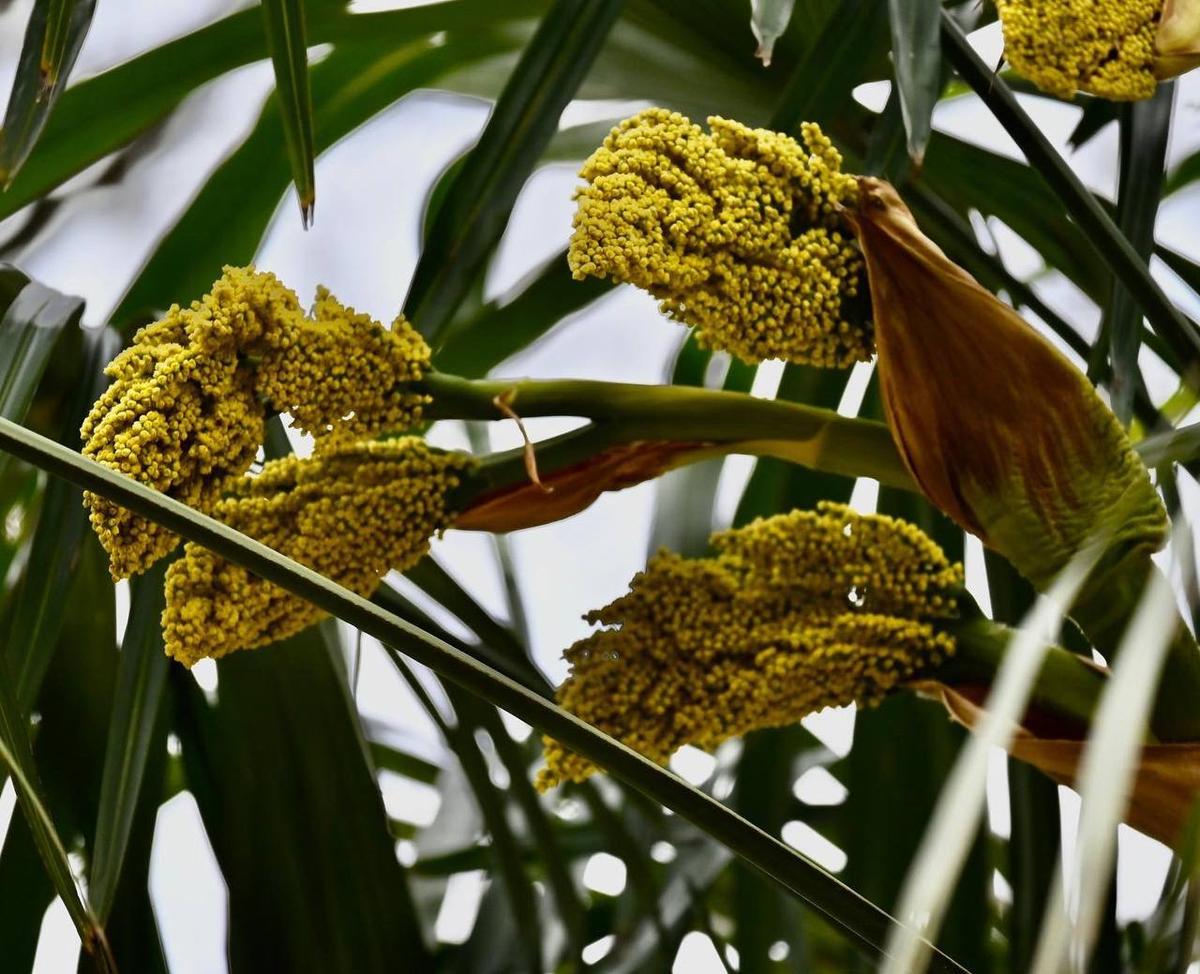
x,y
353,512
793,613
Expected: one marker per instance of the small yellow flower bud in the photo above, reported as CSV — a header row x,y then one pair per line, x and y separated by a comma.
x,y
737,232
794,613
353,512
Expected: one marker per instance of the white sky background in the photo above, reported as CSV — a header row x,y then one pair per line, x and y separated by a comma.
x,y
370,194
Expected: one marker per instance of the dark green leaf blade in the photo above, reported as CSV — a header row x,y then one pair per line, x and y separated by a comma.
x,y
73,707
509,324
16,757
351,85
142,678
842,56
295,816
476,209
33,625
27,894
917,60
1145,130
100,115
53,38
522,897
1180,334
440,585
32,316
284,21
1182,175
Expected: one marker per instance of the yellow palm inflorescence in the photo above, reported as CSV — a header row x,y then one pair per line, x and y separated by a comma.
x,y
794,613
737,232
1105,47
185,412
352,513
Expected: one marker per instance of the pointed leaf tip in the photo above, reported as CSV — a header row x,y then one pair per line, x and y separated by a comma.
x,y
768,20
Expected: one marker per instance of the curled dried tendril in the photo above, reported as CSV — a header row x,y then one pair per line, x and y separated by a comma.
x,y
737,231
352,513
185,411
794,613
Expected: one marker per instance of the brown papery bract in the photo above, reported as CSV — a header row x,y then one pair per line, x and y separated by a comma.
x,y
997,427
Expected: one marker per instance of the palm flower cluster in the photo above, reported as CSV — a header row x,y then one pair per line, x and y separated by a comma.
x,y
185,412
352,512
1106,47
794,613
737,231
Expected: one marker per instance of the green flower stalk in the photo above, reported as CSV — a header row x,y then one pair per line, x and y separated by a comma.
x,y
186,409
353,512
737,231
794,613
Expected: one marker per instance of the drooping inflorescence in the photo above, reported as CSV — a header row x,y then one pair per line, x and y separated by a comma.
x,y
186,409
352,512
737,231
794,613
1105,47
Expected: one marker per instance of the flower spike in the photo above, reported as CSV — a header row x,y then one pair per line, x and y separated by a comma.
x,y
353,513
738,232
1117,49
794,613
185,412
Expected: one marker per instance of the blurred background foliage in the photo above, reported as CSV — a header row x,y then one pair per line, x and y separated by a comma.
x,y
271,755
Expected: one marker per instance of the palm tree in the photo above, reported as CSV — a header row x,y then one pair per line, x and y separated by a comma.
x,y
769,843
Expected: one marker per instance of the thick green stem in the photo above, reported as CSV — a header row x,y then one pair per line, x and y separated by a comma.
x,y
731,422
1103,611
718,422
1066,686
